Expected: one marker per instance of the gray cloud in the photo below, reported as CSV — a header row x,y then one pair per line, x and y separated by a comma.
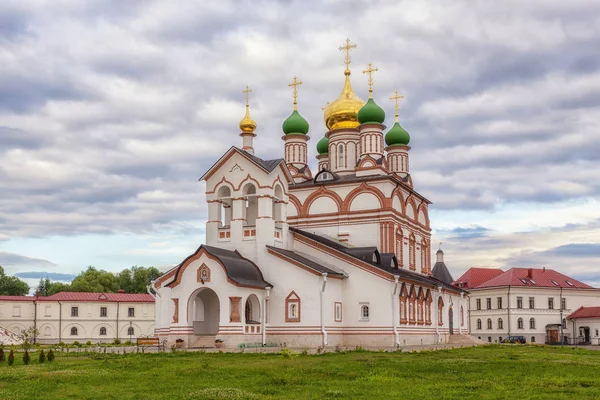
x,y
16,260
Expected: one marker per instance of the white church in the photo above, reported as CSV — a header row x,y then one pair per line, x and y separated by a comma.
x,y
337,257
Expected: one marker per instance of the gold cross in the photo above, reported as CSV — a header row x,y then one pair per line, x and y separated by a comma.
x,y
349,46
247,92
396,97
295,84
325,106
370,71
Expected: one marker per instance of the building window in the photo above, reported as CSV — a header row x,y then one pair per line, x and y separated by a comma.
x,y
499,300
489,339
341,156
103,331
73,331
500,324
440,311
532,302
130,331
532,323
533,339
519,302
292,308
564,323
489,323
74,311
478,323
488,303
563,303
131,312
596,332
462,316
551,303
47,312
16,311
364,312
103,311
338,312
520,323
478,302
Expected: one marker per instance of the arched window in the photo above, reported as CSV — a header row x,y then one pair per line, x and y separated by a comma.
x,y
500,323
489,339
341,163
130,331
73,331
520,323
462,316
251,204
364,311
292,308
489,323
224,196
533,339
412,258
532,323
478,323
278,204
440,311
252,310
103,331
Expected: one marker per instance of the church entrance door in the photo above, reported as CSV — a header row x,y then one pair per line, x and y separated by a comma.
x,y
205,311
451,320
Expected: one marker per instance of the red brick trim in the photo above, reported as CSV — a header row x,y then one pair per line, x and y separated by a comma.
x,y
176,311
203,274
235,309
292,299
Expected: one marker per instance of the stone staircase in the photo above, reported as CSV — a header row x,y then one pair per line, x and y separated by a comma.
x,y
204,342
465,340
8,338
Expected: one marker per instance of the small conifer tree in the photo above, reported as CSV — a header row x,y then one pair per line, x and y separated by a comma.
x,y
11,358
1,355
42,356
26,358
50,357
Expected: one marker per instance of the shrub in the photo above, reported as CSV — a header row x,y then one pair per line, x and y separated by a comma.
x,y
50,357
88,343
61,344
76,343
128,343
26,358
11,357
287,353
117,341
42,357
1,355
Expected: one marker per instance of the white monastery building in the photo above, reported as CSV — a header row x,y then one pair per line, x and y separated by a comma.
x,y
541,304
74,316
338,257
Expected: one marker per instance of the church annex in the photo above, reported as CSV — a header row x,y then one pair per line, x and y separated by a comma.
x,y
336,257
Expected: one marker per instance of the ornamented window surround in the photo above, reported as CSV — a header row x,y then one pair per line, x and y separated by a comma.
x,y
203,274
292,298
337,316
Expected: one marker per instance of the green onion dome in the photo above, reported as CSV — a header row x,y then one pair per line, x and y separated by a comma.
x,y
323,146
397,135
295,123
371,113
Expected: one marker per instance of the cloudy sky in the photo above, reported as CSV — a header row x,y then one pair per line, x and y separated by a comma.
x,y
110,111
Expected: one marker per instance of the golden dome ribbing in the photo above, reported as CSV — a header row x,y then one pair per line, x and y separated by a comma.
x,y
247,124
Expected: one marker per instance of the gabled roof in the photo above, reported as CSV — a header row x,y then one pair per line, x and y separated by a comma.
x,y
382,264
101,297
585,312
239,270
318,267
266,165
440,271
476,276
534,277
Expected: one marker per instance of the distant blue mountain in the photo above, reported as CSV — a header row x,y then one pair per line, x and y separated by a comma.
x,y
54,276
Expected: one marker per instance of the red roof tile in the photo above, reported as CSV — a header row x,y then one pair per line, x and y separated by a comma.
x,y
534,277
17,298
586,312
106,297
476,276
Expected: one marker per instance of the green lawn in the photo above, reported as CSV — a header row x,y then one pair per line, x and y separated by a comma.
x,y
494,372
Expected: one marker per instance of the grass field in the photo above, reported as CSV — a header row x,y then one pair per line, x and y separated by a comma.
x,y
494,372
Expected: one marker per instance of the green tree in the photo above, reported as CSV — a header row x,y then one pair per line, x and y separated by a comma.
x,y
94,280
11,285
47,288
136,279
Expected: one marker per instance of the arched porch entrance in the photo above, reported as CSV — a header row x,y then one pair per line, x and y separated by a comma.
x,y
451,320
204,311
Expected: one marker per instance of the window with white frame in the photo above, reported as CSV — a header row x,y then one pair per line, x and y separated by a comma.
x,y
16,311
341,163
103,311
74,311
532,323
478,304
47,312
364,311
520,323
488,303
499,301
131,312
73,331
551,303
563,303
489,323
103,331
338,312
519,302
478,323
500,323
532,302
130,331
293,310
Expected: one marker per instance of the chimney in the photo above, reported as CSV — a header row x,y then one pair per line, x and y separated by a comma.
x,y
120,291
530,273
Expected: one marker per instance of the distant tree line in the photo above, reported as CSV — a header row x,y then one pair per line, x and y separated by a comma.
x,y
131,280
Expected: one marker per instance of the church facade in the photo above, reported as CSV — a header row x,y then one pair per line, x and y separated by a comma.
x,y
338,257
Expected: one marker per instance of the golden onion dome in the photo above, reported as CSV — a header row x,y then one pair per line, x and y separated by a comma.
x,y
247,124
343,111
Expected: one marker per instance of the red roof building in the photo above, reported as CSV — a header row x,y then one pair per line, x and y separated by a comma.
x,y
106,297
476,276
586,312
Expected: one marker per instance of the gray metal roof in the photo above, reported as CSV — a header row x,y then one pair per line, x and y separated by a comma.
x,y
440,272
318,267
268,165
